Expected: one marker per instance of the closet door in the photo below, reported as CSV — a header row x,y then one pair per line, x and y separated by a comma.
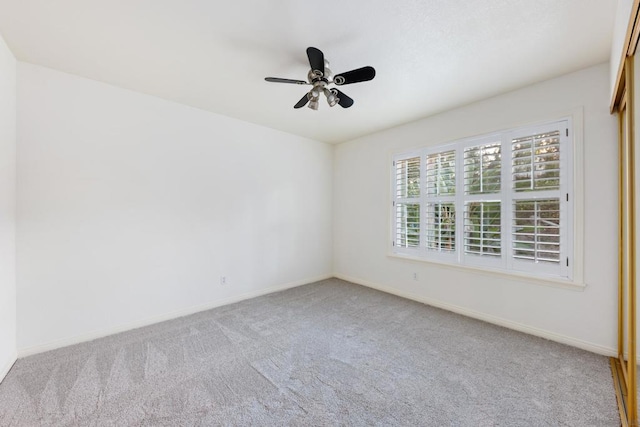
x,y
625,369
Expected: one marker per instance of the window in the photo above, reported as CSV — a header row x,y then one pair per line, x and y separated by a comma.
x,y
500,201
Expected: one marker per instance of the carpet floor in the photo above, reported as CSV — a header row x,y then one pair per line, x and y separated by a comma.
x,y
328,353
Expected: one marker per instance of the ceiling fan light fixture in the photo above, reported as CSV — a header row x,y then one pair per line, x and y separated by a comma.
x,y
332,99
313,103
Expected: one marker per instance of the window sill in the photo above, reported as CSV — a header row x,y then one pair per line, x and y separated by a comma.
x,y
524,277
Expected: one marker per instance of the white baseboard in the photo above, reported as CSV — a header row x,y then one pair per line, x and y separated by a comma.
x,y
64,342
563,339
585,345
4,370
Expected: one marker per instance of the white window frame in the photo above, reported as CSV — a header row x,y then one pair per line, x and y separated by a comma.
x,y
563,272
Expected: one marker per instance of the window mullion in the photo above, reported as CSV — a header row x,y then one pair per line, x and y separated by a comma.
x,y
481,158
536,231
459,203
423,202
507,201
482,232
566,211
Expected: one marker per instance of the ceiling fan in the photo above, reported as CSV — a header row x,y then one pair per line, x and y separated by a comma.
x,y
320,77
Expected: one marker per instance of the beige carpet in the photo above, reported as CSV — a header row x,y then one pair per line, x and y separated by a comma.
x,y
329,353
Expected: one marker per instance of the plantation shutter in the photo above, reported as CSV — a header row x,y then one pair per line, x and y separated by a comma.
x,y
441,226
482,169
500,201
483,233
407,223
536,162
440,209
536,230
441,173
540,199
482,201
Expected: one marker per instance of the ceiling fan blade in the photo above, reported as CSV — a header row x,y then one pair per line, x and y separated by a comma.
x,y
303,101
280,80
343,100
316,59
354,76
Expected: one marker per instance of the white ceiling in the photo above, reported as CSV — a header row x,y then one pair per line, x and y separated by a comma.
x,y
430,55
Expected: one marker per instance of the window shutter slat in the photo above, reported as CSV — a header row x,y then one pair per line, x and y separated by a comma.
x,y
482,169
407,213
441,173
536,230
407,225
482,229
536,162
407,173
441,227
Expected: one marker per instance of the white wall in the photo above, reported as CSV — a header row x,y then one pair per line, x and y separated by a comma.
x,y
7,209
131,208
361,216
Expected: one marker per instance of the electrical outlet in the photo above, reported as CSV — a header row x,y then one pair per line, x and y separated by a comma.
x,y
223,280
415,276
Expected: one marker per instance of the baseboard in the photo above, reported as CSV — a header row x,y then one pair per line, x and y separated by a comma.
x,y
64,342
585,345
563,339
5,369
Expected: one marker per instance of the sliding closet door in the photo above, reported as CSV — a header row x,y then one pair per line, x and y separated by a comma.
x,y
625,369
